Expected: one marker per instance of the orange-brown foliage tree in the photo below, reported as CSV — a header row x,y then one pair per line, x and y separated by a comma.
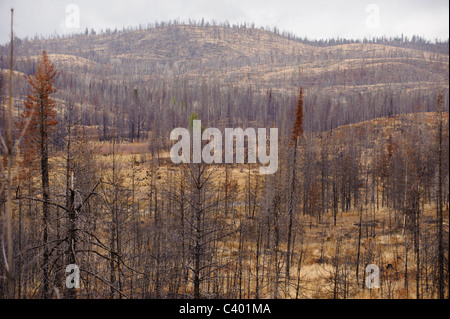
x,y
297,130
40,111
40,108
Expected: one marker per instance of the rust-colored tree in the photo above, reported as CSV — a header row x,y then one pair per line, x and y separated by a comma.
x,y
40,109
297,132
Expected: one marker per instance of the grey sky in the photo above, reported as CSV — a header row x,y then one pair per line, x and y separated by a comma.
x,y
314,19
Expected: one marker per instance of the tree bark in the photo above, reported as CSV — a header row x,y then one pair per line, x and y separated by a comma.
x,y
45,198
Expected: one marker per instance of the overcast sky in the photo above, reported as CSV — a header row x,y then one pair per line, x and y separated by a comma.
x,y
312,18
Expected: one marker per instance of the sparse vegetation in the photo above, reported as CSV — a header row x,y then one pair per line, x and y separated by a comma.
x,y
362,177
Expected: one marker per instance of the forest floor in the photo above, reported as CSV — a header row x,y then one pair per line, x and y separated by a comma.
x,y
326,248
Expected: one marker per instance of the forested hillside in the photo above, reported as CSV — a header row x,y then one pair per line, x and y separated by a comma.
x,y
233,73
364,181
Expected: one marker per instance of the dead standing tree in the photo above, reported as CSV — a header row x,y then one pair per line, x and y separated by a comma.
x,y
297,134
40,109
441,251
8,148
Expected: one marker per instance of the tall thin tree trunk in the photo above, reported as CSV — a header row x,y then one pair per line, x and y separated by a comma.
x,y
71,238
291,211
258,254
358,254
45,198
440,213
416,242
197,248
9,261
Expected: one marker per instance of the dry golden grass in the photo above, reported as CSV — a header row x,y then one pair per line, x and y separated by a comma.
x,y
319,239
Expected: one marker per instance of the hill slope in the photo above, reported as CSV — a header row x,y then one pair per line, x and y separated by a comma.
x,y
224,71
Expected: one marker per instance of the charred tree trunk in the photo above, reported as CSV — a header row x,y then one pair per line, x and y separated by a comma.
x,y
45,198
